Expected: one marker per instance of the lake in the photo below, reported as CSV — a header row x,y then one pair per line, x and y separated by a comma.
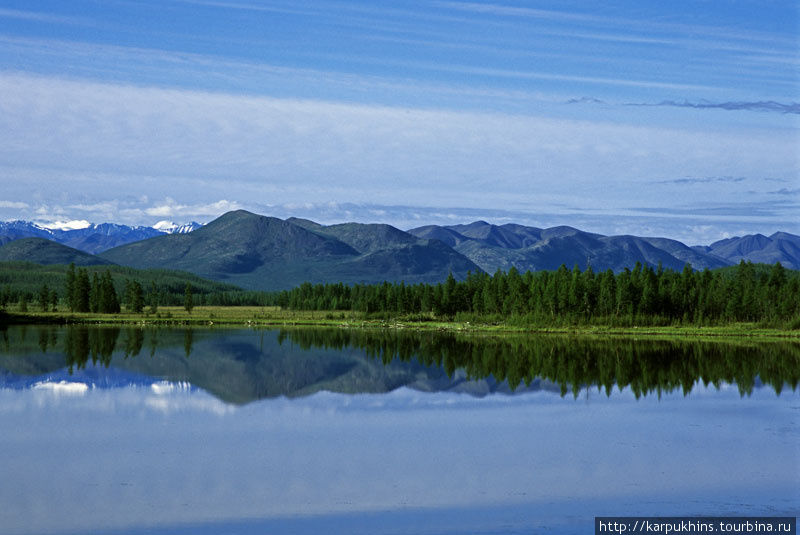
x,y
239,431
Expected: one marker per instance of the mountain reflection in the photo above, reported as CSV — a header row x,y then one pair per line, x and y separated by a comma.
x,y
244,365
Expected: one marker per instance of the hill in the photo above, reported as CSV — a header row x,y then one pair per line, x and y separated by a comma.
x,y
46,252
266,253
779,247
495,247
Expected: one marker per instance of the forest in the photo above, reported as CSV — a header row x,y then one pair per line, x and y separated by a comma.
x,y
641,296
743,293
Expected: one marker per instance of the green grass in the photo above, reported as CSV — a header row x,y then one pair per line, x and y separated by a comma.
x,y
275,316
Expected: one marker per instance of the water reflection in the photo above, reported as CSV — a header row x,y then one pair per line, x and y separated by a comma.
x,y
179,456
239,365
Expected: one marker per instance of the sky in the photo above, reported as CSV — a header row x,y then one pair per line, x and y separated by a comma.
x,y
677,119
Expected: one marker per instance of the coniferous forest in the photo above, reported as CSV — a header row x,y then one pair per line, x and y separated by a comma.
x,y
644,295
641,296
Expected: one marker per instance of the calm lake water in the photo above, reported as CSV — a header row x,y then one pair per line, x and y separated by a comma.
x,y
109,430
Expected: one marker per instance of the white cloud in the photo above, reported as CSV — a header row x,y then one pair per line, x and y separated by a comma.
x,y
14,204
171,208
68,225
76,148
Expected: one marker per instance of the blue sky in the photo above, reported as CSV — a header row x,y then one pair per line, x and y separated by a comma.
x,y
679,119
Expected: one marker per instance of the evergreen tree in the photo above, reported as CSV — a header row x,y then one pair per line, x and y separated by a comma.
x,y
108,301
607,298
70,288
135,297
44,297
153,298
188,302
624,285
649,303
94,294
82,291
589,285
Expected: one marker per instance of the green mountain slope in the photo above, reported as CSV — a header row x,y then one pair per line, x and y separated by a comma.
x,y
266,253
46,252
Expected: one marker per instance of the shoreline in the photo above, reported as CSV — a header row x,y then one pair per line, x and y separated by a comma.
x,y
266,317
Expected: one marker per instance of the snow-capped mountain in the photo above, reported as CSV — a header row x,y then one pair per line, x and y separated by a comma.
x,y
14,230
168,227
89,237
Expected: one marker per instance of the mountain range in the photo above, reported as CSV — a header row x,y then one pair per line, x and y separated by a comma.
x,y
267,253
87,237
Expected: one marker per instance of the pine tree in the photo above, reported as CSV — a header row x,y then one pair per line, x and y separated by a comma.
x,y
94,294
44,297
70,288
607,298
649,303
81,291
108,302
188,302
153,297
135,297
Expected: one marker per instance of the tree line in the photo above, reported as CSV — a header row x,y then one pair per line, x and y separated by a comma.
x,y
22,285
101,296
645,295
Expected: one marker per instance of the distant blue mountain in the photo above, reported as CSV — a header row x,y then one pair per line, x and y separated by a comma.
x,y
779,247
495,247
90,239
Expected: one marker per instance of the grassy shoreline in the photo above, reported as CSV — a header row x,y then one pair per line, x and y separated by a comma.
x,y
276,317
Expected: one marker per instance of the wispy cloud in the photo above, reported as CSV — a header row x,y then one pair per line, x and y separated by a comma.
x,y
585,100
153,62
36,16
242,6
560,77
704,180
767,106
513,11
17,205
738,211
786,191
211,143
643,26
170,208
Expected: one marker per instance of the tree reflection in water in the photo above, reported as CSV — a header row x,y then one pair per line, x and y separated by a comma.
x,y
290,361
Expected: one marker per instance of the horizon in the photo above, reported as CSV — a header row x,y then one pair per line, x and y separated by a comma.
x,y
678,120
158,225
